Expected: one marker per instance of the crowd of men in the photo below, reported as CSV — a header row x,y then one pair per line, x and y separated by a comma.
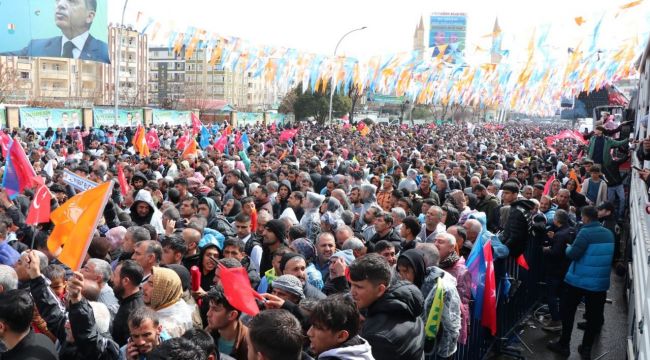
x,y
356,244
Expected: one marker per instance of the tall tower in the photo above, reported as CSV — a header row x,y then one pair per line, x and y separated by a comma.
x,y
495,53
418,37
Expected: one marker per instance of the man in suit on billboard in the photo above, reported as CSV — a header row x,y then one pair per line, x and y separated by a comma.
x,y
74,18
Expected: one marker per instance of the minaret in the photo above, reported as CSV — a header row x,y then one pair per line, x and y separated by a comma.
x,y
495,54
418,37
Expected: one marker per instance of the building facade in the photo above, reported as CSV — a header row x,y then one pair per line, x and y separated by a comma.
x,y
81,83
134,67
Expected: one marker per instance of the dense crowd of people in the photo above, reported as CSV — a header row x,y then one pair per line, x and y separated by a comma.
x,y
356,244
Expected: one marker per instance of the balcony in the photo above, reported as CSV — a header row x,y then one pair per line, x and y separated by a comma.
x,y
54,74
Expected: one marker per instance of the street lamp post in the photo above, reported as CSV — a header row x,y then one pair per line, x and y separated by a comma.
x,y
117,65
332,81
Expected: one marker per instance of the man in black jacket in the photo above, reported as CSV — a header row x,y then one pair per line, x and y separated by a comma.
x,y
126,284
87,341
556,264
384,231
392,309
515,234
16,311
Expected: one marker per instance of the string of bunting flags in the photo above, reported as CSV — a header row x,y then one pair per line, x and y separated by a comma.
x,y
535,85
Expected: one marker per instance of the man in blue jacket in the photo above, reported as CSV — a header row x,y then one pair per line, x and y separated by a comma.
x,y
588,276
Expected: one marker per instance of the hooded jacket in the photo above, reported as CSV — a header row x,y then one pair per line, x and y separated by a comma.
x,y
311,219
354,349
415,260
217,221
394,327
154,217
445,343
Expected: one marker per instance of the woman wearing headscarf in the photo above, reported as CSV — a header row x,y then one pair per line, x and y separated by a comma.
x,y
281,200
163,293
231,209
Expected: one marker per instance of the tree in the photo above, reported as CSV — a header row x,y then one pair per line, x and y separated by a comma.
x,y
8,81
316,104
355,95
286,106
421,112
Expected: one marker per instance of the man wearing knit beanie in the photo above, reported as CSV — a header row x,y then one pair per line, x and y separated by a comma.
x,y
295,264
273,235
289,288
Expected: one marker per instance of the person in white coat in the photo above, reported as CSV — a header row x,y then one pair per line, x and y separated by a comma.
x,y
144,211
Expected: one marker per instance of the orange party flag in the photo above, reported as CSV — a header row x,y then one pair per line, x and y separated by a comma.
x,y
190,149
74,224
579,20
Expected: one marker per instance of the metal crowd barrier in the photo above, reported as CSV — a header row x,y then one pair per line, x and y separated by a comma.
x,y
526,290
638,280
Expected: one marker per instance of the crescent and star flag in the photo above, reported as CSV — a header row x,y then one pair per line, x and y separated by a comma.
x,y
74,224
5,141
152,140
221,143
39,211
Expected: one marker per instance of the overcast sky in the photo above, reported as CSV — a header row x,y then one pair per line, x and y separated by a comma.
x,y
316,26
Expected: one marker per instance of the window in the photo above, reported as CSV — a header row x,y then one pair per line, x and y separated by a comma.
x,y
56,67
24,75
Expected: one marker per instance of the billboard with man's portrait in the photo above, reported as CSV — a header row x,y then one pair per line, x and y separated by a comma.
x,y
74,29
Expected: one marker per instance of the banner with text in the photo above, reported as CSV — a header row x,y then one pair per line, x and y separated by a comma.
x,y
126,117
41,118
76,181
171,117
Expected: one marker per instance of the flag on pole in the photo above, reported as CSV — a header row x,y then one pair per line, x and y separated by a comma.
x,y
124,185
74,224
287,135
547,186
221,143
489,316
39,211
190,150
140,142
196,124
205,137
521,261
5,140
238,290
182,141
19,172
245,143
153,142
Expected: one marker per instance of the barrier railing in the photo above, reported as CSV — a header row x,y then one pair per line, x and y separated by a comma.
x,y
638,296
526,287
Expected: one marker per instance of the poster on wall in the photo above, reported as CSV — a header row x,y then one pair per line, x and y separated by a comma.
x,y
41,118
126,117
246,118
74,29
171,117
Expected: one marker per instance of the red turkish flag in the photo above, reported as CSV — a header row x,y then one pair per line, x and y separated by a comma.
x,y
238,290
124,185
39,211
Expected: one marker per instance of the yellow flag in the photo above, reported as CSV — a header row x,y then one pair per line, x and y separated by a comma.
x,y
631,4
579,20
74,224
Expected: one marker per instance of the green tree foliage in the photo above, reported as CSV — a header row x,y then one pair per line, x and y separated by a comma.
x,y
314,104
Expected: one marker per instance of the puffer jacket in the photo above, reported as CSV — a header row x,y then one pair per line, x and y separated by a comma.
x,y
515,234
393,324
354,349
591,254
154,218
445,343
